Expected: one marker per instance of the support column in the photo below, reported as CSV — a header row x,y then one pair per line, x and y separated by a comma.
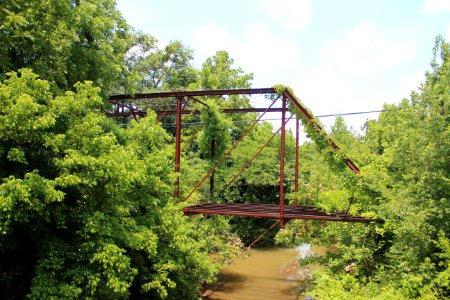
x,y
211,179
176,193
297,137
282,146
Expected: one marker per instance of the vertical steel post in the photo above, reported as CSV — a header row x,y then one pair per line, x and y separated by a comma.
x,y
211,179
282,146
297,137
176,193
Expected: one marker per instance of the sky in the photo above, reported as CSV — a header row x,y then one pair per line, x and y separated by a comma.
x,y
338,56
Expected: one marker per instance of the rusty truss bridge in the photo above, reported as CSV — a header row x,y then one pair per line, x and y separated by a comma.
x,y
176,104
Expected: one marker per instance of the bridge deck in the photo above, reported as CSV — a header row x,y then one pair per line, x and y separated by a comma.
x,y
271,211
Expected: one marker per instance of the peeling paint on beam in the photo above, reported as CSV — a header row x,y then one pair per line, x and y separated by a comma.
x,y
271,211
176,94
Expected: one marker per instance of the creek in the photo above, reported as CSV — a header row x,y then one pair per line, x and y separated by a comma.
x,y
272,273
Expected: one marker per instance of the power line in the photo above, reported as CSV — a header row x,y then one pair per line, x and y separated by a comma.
x,y
279,119
358,113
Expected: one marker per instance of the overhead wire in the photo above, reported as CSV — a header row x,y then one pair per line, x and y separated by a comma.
x,y
279,119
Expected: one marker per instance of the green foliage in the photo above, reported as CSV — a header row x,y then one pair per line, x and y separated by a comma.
x,y
265,169
207,143
65,41
163,69
441,282
404,157
315,130
86,210
347,287
217,73
215,133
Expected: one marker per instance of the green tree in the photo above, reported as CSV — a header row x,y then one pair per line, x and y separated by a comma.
x,y
65,41
218,72
86,208
415,142
404,161
214,139
164,69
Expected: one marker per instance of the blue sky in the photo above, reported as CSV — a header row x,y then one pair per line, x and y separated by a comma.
x,y
338,56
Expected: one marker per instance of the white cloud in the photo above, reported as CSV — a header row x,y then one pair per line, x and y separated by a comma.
x,y
259,51
211,37
409,84
366,51
263,50
435,6
291,14
322,89
326,91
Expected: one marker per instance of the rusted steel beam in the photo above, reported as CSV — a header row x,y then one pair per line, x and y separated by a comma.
x,y
249,110
310,118
225,111
176,193
271,211
352,166
198,100
297,141
176,94
254,208
192,111
128,114
282,152
300,107
265,215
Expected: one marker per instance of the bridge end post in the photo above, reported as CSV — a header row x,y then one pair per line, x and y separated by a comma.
x,y
282,152
176,193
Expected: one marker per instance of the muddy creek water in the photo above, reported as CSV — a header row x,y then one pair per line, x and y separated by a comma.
x,y
265,274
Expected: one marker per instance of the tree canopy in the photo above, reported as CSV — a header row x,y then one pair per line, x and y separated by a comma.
x,y
65,41
97,198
